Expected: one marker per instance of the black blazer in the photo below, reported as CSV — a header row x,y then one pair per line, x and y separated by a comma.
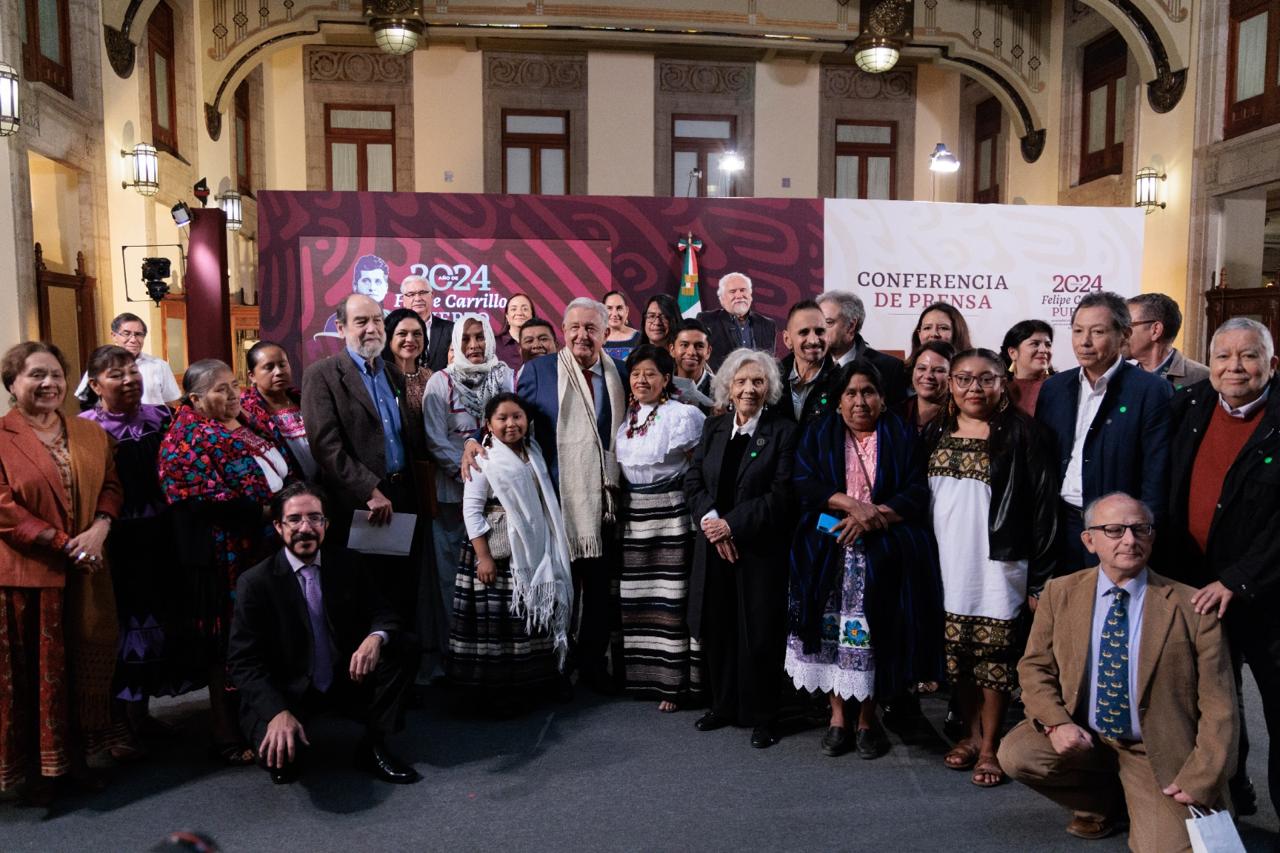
x,y
1243,549
269,650
762,515
1127,448
439,339
344,428
893,371
723,336
822,399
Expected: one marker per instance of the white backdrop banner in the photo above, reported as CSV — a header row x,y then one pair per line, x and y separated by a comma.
x,y
996,263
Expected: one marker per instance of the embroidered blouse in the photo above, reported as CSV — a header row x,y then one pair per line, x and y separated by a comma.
x,y
658,449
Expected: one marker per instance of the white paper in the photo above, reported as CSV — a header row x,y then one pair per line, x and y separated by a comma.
x,y
394,539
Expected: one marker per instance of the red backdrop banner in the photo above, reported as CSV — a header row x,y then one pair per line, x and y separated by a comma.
x,y
310,243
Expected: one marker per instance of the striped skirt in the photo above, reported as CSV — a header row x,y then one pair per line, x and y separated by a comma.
x,y
661,661
488,647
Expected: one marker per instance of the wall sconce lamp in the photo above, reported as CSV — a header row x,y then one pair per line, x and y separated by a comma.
x,y
146,169
10,114
942,160
1146,184
231,206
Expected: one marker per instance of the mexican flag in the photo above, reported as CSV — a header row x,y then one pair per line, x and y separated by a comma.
x,y
690,302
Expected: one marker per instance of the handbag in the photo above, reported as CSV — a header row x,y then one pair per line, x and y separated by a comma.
x,y
499,538
1213,832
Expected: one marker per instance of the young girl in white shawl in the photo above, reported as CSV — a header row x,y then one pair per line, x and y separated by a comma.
x,y
513,591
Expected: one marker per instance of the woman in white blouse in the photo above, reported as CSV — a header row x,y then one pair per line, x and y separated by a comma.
x,y
654,444
452,410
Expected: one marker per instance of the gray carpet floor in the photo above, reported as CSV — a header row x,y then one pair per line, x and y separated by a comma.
x,y
596,774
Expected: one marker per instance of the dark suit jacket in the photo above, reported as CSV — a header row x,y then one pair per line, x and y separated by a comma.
x,y
1243,550
1127,449
823,398
439,338
723,335
892,371
537,385
1186,691
762,513
344,428
270,648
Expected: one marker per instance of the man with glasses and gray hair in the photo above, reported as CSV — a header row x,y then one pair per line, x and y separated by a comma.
x,y
846,318
1156,320
416,295
1128,692
1224,509
158,385
1108,421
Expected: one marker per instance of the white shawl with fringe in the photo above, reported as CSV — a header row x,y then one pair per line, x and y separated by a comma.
x,y
588,468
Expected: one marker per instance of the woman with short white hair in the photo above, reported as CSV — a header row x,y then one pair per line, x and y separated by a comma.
x,y
738,490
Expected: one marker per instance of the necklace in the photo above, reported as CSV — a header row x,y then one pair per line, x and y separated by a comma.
x,y
634,413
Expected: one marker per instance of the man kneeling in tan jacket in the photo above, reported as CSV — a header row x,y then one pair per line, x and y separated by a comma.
x,y
1128,691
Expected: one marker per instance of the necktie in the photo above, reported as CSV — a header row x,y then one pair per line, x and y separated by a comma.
x,y
1111,716
322,659
591,386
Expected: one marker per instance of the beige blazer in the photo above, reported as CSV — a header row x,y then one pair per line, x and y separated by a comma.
x,y
1186,689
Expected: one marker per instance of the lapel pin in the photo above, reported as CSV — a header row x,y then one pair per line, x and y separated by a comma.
x,y
1124,409
759,442
1266,461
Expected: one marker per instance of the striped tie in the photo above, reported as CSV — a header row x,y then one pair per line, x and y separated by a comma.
x,y
1111,716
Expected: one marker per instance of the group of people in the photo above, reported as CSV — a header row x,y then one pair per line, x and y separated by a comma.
x,y
669,511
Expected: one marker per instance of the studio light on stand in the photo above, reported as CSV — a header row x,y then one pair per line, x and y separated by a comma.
x,y
731,163
10,112
181,214
231,206
145,163
942,160
154,273
1146,185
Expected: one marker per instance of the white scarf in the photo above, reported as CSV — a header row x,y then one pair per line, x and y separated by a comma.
x,y
475,384
588,469
541,585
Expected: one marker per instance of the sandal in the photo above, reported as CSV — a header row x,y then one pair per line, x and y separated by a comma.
x,y
987,767
962,756
232,754
668,707
924,688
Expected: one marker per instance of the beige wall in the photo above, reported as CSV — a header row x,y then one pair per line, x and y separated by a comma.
x,y
619,126
286,160
55,211
448,122
937,120
1037,183
787,98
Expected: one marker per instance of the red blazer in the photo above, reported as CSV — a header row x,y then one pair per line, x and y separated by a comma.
x,y
32,498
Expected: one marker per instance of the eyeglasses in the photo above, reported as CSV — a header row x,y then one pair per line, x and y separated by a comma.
x,y
1143,322
986,381
414,294
1116,531
129,336
312,519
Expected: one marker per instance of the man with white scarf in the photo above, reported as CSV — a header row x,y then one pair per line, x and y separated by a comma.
x,y
579,400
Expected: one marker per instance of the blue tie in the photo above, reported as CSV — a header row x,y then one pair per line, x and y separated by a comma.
x,y
1111,716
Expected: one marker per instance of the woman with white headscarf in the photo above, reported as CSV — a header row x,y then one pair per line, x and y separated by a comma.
x,y
452,410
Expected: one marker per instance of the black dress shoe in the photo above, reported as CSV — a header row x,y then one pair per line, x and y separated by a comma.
x,y
762,737
836,741
711,721
599,681
375,757
286,775
872,743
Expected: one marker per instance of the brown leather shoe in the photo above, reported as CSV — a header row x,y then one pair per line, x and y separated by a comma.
x,y
1093,829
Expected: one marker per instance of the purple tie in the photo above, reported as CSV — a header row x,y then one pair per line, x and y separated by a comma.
x,y
322,671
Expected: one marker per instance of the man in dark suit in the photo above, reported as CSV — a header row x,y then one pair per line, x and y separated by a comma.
x,y
309,636
1224,509
846,316
808,371
416,295
1128,693
1108,422
734,325
590,383
352,405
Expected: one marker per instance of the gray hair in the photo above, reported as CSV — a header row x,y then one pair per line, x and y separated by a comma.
x,y
1113,302
410,278
1161,308
720,285
117,323
588,302
1092,508
850,305
199,376
1244,324
739,358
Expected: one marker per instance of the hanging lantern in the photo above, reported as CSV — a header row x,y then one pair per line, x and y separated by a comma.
x,y
232,208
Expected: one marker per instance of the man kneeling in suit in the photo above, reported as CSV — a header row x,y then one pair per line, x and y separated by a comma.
x,y
309,636
1128,691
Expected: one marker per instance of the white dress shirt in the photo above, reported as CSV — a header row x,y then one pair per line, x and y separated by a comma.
x,y
158,384
297,565
748,429
1248,408
1087,406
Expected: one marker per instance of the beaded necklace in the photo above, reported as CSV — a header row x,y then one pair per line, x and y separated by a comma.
x,y
633,412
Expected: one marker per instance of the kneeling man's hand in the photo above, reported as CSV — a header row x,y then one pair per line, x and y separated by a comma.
x,y
366,657
279,747
1068,738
